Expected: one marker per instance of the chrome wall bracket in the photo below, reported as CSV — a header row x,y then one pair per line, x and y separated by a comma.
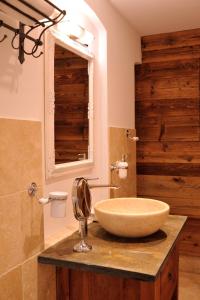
x,y
130,137
32,189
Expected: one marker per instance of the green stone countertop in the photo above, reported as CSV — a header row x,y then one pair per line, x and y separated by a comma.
x,y
139,258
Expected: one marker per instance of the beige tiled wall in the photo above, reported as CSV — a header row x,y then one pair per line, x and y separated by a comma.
x,y
119,145
21,217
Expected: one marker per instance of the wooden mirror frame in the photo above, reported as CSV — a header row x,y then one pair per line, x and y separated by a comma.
x,y
51,169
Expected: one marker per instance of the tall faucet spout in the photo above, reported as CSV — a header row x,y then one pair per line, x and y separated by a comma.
x,y
94,186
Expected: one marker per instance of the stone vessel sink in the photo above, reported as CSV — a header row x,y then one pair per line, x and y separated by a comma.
x,y
131,217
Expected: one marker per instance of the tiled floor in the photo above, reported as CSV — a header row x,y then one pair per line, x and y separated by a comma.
x,y
189,286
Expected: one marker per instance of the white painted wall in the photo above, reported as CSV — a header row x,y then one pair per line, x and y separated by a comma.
x,y
155,16
21,86
123,52
22,93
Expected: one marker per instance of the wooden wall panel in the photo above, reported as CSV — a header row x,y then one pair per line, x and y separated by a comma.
x,y
168,88
190,67
190,238
167,107
169,169
172,54
171,40
171,46
168,124
169,186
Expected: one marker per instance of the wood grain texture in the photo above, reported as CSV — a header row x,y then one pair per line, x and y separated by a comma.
x,y
168,88
62,284
84,285
190,240
73,284
149,291
168,152
168,69
171,46
167,54
168,124
169,277
171,40
168,186
71,105
169,169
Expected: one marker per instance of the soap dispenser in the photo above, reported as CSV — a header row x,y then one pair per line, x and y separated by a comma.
x,y
121,166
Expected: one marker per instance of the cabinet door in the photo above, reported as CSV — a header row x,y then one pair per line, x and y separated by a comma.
x,y
169,277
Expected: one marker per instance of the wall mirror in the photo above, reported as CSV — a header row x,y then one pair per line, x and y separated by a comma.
x,y
68,105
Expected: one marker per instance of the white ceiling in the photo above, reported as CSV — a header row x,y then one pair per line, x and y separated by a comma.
x,y
160,16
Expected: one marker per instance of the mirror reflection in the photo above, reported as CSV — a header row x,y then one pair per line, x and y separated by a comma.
x,y
71,125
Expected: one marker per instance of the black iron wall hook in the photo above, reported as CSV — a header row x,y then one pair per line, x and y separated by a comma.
x,y
23,36
5,35
3,38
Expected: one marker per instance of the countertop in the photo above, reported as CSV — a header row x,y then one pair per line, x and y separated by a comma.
x,y
139,258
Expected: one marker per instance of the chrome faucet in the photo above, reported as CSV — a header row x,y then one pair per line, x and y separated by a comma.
x,y
81,199
94,186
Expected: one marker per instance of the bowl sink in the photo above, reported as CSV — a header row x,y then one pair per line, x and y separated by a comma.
x,y
131,217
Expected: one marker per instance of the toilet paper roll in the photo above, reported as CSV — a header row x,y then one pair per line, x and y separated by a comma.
x,y
39,4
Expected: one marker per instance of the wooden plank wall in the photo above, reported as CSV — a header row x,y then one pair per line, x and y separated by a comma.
x,y
168,124
71,105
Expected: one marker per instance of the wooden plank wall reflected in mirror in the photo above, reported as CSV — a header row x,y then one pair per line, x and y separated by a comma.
x,y
71,106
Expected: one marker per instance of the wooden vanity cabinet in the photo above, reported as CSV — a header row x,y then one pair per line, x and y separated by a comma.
x,y
116,268
75,284
169,277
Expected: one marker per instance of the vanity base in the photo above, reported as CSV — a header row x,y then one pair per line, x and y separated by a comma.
x,y
74,284
118,268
